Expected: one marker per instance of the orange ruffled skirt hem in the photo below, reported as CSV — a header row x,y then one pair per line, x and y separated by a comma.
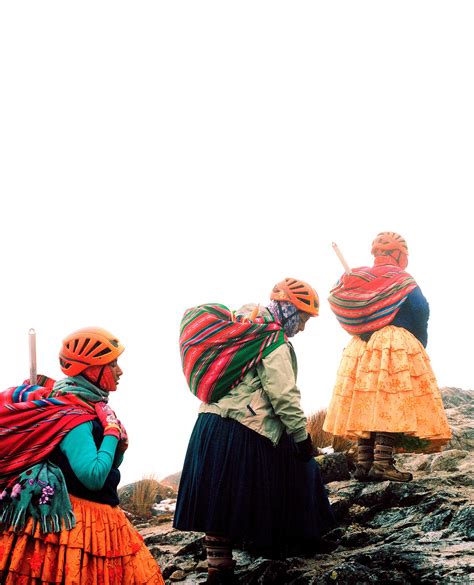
x,y
387,385
102,549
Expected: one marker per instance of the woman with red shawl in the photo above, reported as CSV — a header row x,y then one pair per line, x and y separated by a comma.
x,y
385,385
60,449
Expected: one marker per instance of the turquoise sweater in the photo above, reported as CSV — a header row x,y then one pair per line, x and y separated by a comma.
x,y
91,465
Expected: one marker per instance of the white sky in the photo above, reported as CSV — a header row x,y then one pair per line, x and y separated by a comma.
x,y
157,155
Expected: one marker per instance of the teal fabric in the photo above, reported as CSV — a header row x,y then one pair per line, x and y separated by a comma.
x,y
40,492
91,465
79,386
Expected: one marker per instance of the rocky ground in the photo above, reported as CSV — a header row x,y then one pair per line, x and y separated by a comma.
x,y
420,532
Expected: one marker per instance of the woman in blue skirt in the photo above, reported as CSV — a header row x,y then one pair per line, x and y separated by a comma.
x,y
249,476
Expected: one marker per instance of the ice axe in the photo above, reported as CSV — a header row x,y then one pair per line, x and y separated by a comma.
x,y
32,344
341,258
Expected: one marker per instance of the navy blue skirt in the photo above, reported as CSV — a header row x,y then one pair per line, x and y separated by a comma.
x,y
237,484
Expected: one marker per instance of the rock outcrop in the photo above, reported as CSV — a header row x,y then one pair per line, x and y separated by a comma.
x,y
395,533
459,406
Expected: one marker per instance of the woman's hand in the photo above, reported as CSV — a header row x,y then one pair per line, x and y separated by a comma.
x,y
305,450
112,425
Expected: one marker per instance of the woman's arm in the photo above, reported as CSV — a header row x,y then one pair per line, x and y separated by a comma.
x,y
413,315
90,465
421,312
278,380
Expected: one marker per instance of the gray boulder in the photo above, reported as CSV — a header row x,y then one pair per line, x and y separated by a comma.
x,y
387,532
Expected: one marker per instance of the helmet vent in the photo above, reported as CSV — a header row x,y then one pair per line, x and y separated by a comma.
x,y
90,346
64,365
105,351
84,345
297,292
91,349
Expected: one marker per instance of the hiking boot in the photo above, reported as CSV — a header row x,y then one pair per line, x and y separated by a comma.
x,y
388,472
361,472
222,577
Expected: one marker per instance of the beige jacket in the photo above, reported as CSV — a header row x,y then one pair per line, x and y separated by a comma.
x,y
268,399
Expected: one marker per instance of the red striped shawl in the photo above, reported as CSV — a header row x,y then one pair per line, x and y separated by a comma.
x,y
32,424
368,299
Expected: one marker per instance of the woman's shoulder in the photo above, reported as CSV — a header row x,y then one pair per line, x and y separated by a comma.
x,y
80,430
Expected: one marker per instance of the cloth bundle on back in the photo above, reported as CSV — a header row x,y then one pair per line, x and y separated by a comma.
x,y
218,348
249,476
60,449
385,384
368,299
32,424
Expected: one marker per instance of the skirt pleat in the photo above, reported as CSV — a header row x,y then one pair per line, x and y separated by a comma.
x,y
102,549
236,483
387,385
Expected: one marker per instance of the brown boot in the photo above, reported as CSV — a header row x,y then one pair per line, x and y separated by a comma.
x,y
383,468
365,458
388,472
221,577
361,472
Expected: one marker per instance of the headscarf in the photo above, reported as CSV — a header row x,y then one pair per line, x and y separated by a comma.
x,y
101,376
287,315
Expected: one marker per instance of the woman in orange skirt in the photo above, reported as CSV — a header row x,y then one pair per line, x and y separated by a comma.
x,y
60,449
385,384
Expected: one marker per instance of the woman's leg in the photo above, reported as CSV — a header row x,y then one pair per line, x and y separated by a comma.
x,y
365,457
383,468
220,565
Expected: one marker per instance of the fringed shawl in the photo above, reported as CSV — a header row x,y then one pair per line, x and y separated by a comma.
x,y
368,299
33,421
219,347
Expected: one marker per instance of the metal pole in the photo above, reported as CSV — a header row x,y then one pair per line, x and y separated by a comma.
x,y
341,258
32,343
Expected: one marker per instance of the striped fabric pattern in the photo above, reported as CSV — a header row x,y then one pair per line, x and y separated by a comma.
x,y
218,348
32,423
368,299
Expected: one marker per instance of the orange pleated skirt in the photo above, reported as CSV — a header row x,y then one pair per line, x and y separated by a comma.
x,y
387,385
102,549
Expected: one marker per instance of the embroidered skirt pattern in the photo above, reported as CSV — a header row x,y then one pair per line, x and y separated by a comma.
x,y
387,385
102,549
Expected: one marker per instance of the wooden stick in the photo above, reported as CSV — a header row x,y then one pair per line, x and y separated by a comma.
x,y
341,258
32,340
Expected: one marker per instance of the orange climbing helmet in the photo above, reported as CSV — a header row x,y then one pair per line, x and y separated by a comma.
x,y
90,346
388,242
299,293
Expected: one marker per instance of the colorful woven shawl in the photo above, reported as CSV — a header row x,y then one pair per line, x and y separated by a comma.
x,y
368,299
219,347
32,423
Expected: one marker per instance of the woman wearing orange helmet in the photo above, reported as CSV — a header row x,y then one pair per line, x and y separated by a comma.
x,y
385,385
60,450
249,476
